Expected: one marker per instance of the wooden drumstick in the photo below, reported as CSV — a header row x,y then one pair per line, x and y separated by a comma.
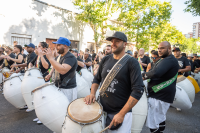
x,y
104,129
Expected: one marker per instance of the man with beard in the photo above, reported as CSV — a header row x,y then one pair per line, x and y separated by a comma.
x,y
194,64
108,50
161,88
125,90
79,60
135,55
143,60
184,65
7,63
155,59
64,68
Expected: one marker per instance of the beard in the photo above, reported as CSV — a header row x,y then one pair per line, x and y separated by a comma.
x,y
107,53
61,51
165,54
118,50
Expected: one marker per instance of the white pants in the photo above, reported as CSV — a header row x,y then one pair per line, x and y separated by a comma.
x,y
126,125
71,94
157,110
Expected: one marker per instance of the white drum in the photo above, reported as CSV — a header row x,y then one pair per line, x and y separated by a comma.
x,y
87,76
83,88
12,90
197,78
82,118
181,99
50,106
32,79
139,112
1,77
185,84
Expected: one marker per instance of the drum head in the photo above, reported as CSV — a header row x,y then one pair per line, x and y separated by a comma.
x,y
180,78
83,113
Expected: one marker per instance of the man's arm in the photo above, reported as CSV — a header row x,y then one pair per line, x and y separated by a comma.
x,y
187,69
19,60
88,63
148,67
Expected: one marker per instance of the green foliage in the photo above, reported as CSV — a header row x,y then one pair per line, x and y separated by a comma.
x,y
190,45
193,6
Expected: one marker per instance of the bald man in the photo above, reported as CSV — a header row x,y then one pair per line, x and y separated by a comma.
x,y
143,60
161,87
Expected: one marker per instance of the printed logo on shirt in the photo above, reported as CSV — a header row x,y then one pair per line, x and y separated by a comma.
x,y
111,87
180,63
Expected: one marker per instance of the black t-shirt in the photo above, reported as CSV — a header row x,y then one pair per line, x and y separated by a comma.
x,y
195,65
1,61
183,62
166,69
43,70
30,57
79,67
10,62
88,60
18,57
128,82
145,60
71,60
93,56
198,61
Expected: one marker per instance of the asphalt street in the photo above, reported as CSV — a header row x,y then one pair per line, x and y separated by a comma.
x,y
13,120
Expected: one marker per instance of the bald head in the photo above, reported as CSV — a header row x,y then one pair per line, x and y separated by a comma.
x,y
166,43
141,52
164,49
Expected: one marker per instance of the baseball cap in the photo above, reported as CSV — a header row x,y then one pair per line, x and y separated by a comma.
x,y
194,54
146,53
176,49
62,40
191,55
75,50
129,52
31,45
118,35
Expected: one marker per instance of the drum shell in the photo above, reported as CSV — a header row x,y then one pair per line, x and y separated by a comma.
x,y
197,78
87,76
83,88
181,99
51,107
195,84
139,113
73,127
12,92
29,83
1,77
188,87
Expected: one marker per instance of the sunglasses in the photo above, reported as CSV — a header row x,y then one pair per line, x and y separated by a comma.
x,y
154,58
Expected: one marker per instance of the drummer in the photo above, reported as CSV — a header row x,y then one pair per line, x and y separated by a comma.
x,y
7,63
124,91
88,61
64,68
160,99
79,60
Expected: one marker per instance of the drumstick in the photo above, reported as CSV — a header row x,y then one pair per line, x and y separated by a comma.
x,y
104,129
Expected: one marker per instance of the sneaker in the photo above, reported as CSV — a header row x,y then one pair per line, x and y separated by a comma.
x,y
28,110
39,122
36,119
178,109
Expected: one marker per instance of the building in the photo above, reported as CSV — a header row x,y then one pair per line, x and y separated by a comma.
x,y
196,30
189,35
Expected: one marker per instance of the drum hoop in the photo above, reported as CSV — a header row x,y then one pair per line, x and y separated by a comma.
x,y
42,86
12,77
3,68
81,122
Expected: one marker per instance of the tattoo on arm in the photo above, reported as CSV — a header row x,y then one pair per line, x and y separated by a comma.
x,y
132,102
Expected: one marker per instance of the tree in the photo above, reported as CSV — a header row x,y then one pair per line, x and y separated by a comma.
x,y
193,6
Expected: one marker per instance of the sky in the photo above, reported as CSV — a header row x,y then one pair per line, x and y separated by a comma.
x,y
183,21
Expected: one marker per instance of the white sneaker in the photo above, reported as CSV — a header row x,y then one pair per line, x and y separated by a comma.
x,y
178,109
39,122
28,110
36,119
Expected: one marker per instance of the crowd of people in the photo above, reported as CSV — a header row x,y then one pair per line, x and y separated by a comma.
x,y
59,64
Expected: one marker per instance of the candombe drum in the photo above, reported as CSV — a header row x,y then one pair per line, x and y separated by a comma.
x,y
6,72
50,106
83,88
185,84
82,118
195,84
1,77
196,77
87,76
32,79
12,90
181,99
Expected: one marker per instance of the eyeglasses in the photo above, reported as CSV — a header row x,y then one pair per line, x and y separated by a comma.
x,y
154,58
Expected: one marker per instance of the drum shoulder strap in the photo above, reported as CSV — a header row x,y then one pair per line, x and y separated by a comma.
x,y
113,72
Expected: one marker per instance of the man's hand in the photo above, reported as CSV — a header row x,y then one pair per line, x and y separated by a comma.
x,y
117,119
40,52
14,65
8,57
140,62
47,78
18,70
49,54
89,99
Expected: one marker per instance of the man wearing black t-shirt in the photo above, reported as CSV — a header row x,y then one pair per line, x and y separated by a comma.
x,y
184,66
64,68
161,88
124,91
143,60
7,63
88,61
194,64
79,60
196,58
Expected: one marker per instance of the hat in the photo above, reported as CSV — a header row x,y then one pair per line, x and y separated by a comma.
x,y
118,35
194,54
176,49
31,45
75,50
8,47
129,52
63,41
191,55
25,45
146,53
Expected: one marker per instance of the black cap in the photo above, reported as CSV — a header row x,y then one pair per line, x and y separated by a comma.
x,y
176,49
75,50
129,52
118,35
194,54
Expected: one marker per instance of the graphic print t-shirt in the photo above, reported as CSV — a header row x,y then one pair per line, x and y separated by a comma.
x,y
183,62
